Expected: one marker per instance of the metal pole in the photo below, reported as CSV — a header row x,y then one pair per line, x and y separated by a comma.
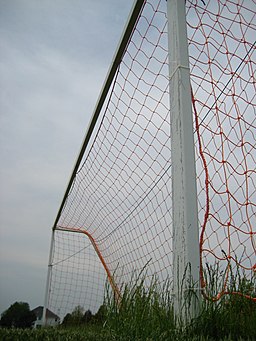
x,y
134,14
49,273
185,212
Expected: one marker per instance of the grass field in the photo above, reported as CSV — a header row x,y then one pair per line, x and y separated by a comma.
x,y
81,334
147,314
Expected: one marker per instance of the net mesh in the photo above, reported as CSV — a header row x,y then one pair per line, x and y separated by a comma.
x,y
120,199
222,60
78,276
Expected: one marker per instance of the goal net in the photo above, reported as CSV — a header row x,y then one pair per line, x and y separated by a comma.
x,y
116,218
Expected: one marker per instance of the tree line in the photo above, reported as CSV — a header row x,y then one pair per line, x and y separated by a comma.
x,y
81,317
18,315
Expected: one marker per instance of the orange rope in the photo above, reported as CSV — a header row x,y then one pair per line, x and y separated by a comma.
x,y
114,287
206,215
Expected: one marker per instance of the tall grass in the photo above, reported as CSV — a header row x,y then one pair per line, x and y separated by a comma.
x,y
146,312
232,315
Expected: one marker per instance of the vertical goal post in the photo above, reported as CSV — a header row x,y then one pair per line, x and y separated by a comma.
x,y
186,259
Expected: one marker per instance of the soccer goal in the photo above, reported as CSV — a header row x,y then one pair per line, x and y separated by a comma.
x,y
165,183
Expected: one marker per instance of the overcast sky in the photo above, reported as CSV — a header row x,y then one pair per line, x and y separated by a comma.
x,y
54,55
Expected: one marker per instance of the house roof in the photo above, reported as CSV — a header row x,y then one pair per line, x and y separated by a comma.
x,y
39,313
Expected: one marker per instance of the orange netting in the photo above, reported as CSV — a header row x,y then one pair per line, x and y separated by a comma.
x,y
222,56
120,199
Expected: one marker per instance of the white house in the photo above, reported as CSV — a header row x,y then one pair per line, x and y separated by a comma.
x,y
52,319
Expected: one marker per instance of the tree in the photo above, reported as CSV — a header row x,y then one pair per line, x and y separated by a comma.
x,y
67,320
18,315
75,318
101,314
87,316
77,315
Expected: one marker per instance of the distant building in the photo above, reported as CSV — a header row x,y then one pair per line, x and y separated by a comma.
x,y
52,319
